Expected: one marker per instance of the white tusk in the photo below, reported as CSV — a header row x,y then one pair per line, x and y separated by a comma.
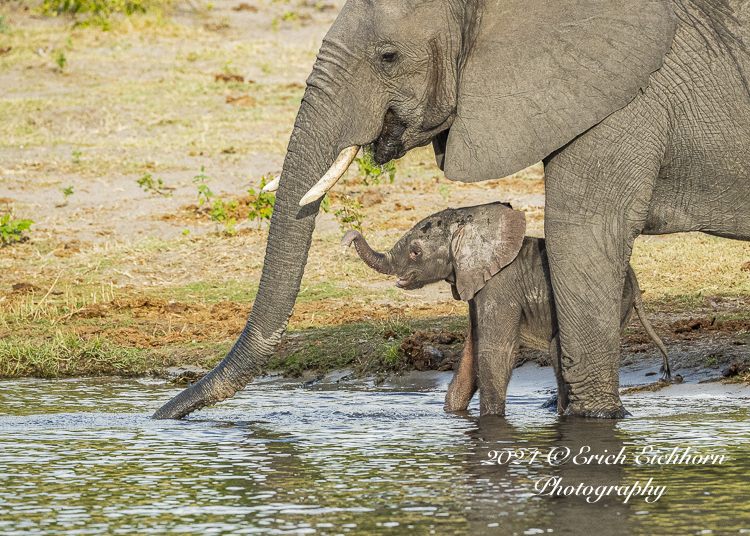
x,y
272,186
332,175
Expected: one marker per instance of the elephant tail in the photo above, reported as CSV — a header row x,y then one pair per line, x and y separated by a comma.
x,y
666,373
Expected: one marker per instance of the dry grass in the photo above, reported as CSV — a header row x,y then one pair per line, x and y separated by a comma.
x,y
691,264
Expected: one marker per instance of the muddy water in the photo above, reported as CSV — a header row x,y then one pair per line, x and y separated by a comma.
x,y
83,457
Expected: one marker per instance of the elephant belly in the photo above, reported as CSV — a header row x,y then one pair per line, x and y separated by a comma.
x,y
538,324
704,180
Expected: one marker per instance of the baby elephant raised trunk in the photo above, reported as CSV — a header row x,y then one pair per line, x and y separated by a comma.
x,y
377,261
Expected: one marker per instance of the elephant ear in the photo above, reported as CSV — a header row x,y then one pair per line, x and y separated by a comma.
x,y
540,73
486,240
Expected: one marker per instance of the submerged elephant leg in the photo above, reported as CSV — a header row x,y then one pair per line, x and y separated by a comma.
x,y
555,354
464,383
598,193
498,329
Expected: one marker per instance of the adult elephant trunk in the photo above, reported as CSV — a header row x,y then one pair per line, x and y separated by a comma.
x,y
322,129
380,262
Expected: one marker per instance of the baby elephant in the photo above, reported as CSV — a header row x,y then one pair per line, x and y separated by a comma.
x,y
483,253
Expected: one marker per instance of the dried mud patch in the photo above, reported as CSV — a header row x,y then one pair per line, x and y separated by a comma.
x,y
433,349
690,329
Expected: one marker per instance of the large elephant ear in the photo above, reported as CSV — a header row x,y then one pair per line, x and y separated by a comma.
x,y
539,73
487,238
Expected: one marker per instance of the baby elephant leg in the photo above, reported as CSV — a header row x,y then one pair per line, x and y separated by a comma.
x,y
464,383
497,338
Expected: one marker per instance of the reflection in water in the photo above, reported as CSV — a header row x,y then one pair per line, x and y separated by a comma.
x,y
83,457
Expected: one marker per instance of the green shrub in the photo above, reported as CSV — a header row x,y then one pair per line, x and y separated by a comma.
x,y
350,215
12,230
371,172
148,184
100,11
262,207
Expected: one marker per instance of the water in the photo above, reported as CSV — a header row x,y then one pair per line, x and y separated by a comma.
x,y
83,457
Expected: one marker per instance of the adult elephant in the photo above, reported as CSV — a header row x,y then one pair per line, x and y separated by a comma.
x,y
640,110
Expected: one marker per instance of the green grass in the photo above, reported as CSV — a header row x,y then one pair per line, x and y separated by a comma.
x,y
70,355
359,347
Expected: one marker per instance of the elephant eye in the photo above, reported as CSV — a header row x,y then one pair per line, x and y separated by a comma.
x,y
388,57
415,253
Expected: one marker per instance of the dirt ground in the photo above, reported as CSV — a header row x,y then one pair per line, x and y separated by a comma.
x,y
207,96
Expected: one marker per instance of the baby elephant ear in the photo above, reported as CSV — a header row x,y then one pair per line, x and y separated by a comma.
x,y
488,239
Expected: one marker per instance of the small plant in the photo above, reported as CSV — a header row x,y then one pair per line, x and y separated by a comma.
x,y
201,177
221,209
186,232
4,28
227,68
290,16
262,208
67,191
229,227
148,184
326,204
204,194
711,360
445,192
350,215
275,24
76,157
61,62
371,172
12,230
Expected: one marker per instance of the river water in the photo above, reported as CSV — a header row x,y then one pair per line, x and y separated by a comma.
x,y
83,457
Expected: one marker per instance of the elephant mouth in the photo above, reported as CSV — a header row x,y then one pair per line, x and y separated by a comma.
x,y
389,144
408,283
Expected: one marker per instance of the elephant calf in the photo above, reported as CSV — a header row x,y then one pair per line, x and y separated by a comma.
x,y
483,253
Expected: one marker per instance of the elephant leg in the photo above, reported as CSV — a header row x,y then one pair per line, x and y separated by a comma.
x,y
555,353
598,193
464,383
498,330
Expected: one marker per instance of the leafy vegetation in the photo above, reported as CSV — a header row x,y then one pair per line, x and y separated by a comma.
x,y
350,214
204,192
261,208
371,172
12,230
67,191
101,10
148,184
61,62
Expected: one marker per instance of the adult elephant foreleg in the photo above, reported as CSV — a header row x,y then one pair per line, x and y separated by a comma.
x,y
598,193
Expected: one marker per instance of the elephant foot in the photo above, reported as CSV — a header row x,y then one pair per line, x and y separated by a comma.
x,y
550,403
599,413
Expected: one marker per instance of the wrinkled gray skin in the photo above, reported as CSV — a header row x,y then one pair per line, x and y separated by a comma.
x,y
511,302
640,110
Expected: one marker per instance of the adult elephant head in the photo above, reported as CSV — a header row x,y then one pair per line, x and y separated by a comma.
x,y
495,85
